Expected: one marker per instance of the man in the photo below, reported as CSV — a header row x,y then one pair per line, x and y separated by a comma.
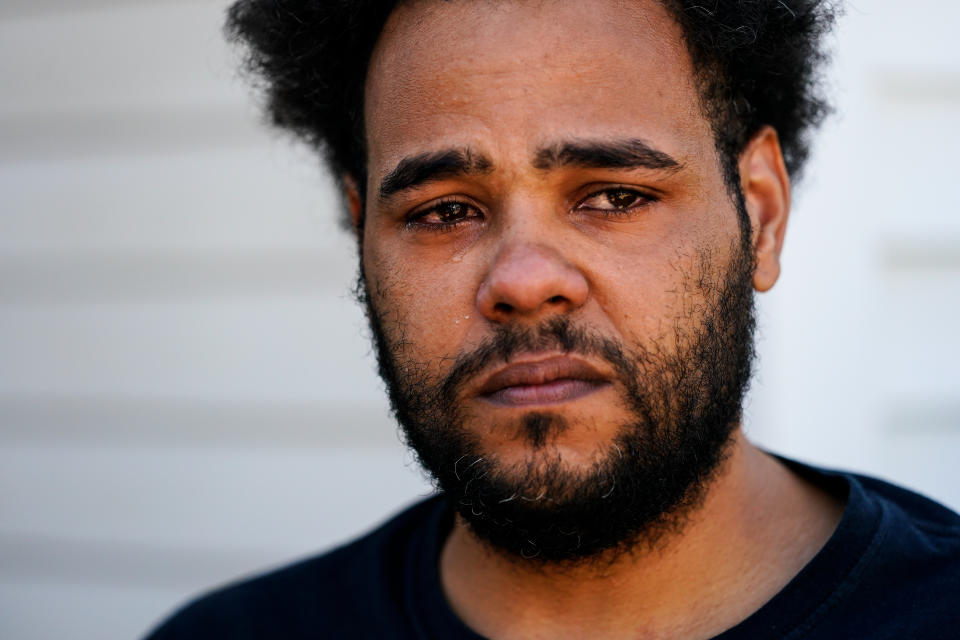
x,y
563,209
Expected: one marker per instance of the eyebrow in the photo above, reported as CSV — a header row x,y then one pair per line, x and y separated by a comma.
x,y
417,170
631,153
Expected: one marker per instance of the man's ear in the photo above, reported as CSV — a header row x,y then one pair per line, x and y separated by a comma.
x,y
766,190
354,198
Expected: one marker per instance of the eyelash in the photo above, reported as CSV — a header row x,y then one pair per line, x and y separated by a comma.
x,y
414,221
641,200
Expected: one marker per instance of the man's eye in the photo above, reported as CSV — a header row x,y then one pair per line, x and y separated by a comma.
x,y
444,214
614,200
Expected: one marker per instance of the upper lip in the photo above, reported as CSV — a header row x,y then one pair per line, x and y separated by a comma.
x,y
541,371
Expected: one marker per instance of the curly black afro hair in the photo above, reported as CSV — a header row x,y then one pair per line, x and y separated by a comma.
x,y
758,63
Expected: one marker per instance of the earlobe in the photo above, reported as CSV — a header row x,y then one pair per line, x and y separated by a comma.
x,y
354,200
766,190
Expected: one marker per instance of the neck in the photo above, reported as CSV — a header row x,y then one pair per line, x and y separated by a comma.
x,y
757,526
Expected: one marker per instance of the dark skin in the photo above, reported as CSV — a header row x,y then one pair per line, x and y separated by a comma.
x,y
530,159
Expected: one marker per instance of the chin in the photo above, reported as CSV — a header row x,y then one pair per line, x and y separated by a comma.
x,y
577,428
518,461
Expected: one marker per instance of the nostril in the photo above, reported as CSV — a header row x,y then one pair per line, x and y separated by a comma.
x,y
555,300
503,307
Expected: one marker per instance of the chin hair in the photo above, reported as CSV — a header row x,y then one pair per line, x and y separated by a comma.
x,y
683,406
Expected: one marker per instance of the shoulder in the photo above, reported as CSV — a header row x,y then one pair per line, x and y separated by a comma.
x,y
899,526
890,570
918,542
333,594
908,508
899,512
906,580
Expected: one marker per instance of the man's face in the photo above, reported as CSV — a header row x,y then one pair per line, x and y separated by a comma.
x,y
556,271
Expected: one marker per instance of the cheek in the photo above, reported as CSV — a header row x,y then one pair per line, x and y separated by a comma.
x,y
657,285
425,312
648,300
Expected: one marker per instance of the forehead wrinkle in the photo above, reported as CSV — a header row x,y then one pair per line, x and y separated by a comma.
x,y
477,85
417,26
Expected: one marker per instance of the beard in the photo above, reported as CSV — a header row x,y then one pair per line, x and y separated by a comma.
x,y
683,404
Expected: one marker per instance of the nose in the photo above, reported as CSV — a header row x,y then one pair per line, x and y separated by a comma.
x,y
530,280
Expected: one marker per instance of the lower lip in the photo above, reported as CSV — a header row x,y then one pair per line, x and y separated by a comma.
x,y
553,392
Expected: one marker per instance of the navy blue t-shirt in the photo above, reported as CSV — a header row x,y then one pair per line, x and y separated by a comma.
x,y
891,570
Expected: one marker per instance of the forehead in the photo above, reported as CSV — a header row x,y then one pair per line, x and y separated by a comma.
x,y
508,76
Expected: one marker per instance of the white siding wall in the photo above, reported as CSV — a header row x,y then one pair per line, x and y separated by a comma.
x,y
186,391
860,357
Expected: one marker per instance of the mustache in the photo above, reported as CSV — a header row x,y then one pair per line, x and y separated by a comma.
x,y
556,334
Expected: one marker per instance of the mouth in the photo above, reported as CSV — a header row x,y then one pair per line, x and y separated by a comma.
x,y
551,380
